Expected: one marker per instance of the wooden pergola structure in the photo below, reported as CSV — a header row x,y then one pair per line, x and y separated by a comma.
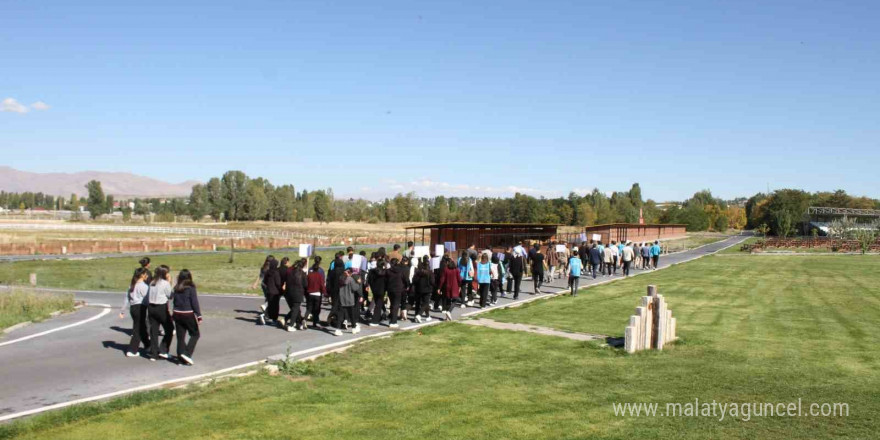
x,y
483,235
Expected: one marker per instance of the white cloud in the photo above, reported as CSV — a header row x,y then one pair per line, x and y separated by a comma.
x,y
40,105
13,106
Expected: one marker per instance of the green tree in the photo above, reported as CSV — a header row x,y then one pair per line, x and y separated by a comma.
x,y
97,201
322,206
439,212
235,186
216,202
284,203
199,205
256,203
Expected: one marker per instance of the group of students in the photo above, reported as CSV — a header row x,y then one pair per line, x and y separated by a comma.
x,y
622,255
388,285
149,300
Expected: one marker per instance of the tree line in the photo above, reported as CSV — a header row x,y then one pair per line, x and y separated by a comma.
x,y
236,197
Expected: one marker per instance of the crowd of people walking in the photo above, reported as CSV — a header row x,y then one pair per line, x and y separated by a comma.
x,y
390,287
384,287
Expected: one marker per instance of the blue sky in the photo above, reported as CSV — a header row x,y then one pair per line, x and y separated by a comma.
x,y
485,98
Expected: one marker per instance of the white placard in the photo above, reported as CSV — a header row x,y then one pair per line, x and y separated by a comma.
x,y
435,262
358,261
439,250
421,251
597,237
560,248
520,250
305,250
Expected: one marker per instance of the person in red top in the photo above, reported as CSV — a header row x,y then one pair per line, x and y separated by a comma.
x,y
316,289
450,279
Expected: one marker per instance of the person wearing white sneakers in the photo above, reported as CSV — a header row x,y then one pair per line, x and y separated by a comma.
x,y
260,282
349,290
273,285
396,286
187,316
136,303
423,286
160,293
450,282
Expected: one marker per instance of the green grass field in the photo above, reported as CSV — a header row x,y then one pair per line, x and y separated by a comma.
x,y
18,306
770,330
212,272
693,241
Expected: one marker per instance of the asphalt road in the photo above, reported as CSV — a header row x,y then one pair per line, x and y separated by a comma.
x,y
86,360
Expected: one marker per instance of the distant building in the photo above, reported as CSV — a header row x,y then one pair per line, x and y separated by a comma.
x,y
483,235
632,232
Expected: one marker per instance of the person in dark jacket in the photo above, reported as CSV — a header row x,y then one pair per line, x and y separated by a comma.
x,y
316,287
517,266
396,285
337,269
295,285
423,286
508,257
260,280
377,277
272,283
449,284
595,259
349,294
537,259
436,296
187,316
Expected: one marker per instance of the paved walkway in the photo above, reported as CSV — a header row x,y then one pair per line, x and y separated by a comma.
x,y
85,360
537,329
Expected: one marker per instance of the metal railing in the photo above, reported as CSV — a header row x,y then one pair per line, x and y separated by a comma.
x,y
225,233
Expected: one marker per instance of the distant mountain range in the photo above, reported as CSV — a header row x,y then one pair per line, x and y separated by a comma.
x,y
65,184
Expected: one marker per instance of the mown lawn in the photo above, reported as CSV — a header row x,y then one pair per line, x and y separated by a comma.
x,y
213,273
773,329
19,306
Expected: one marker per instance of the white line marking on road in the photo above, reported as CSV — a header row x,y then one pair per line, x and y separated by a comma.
x,y
36,335
188,378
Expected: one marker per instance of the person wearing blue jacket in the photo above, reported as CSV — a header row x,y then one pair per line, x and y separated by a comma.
x,y
466,271
574,272
655,254
484,269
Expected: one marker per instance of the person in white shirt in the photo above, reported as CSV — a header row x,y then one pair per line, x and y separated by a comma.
x,y
627,258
